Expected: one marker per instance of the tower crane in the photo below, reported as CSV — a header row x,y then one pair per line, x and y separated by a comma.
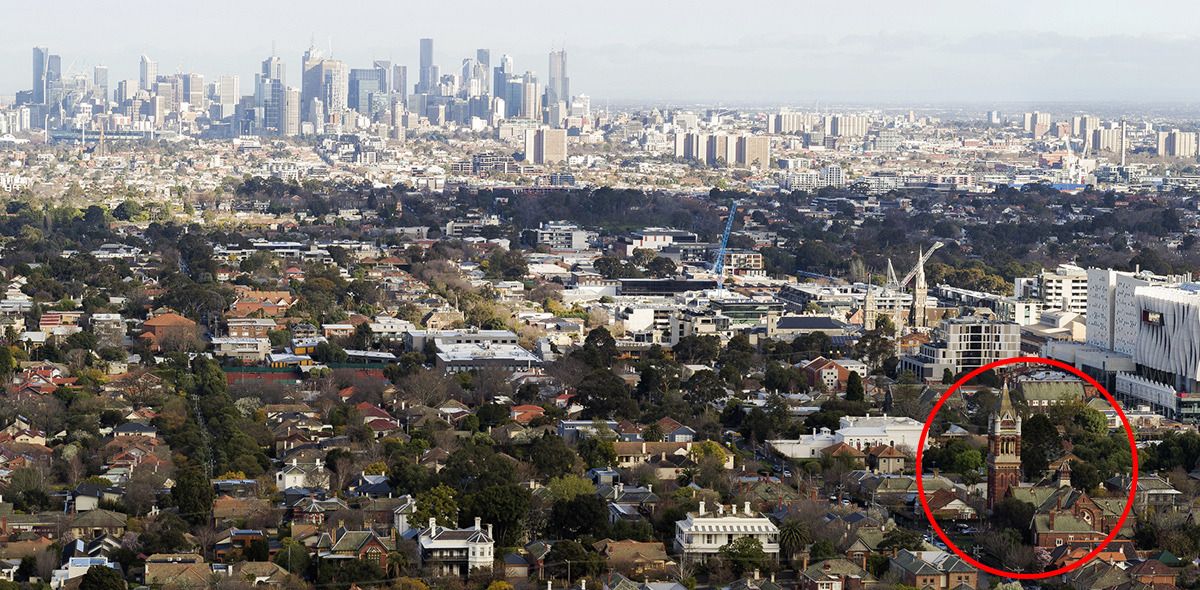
x,y
920,289
719,264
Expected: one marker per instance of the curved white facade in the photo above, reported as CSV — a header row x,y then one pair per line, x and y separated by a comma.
x,y
1168,333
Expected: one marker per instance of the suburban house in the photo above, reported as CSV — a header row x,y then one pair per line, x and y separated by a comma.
x,y
368,546
456,552
702,533
168,328
934,570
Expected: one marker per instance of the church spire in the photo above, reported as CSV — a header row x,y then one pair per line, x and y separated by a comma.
x,y
1006,406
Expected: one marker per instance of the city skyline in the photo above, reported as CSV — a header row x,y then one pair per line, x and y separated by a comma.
x,y
885,54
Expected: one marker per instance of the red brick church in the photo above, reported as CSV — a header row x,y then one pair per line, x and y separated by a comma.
x,y
1004,450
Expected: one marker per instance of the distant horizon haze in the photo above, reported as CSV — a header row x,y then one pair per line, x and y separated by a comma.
x,y
756,52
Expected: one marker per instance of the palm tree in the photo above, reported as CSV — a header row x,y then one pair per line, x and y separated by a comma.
x,y
793,536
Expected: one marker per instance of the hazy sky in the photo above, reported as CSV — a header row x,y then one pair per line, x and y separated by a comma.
x,y
700,50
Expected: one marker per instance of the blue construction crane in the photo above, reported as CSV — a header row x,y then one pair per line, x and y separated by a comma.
x,y
719,263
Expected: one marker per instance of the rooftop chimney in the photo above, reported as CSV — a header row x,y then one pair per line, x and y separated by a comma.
x,y
746,508
478,524
701,507
432,525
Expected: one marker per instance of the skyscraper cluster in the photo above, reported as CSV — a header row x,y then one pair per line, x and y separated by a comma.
x,y
330,96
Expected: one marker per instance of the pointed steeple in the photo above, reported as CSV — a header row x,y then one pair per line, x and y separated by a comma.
x,y
1007,412
1064,474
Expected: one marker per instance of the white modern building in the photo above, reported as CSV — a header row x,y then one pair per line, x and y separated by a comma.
x,y
860,432
1143,340
243,349
562,235
702,533
1067,282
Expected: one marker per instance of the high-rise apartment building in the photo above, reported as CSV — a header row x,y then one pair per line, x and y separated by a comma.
x,y
848,125
1176,144
754,151
1108,138
1065,284
546,146
1036,123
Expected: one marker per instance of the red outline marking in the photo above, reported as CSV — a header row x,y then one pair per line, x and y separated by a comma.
x,y
1132,484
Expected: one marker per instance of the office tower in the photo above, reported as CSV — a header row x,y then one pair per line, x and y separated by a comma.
x,y
227,90
291,111
546,146
385,74
335,82
530,101
41,59
397,131
171,89
310,82
474,79
126,89
147,73
100,82
484,57
363,84
754,151
993,117
273,68
54,81
270,94
500,76
400,81
559,86
581,106
427,78
193,91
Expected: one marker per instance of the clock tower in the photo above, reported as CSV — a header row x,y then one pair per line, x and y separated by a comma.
x,y
1004,450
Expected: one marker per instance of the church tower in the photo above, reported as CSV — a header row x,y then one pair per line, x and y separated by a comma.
x,y
1004,450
